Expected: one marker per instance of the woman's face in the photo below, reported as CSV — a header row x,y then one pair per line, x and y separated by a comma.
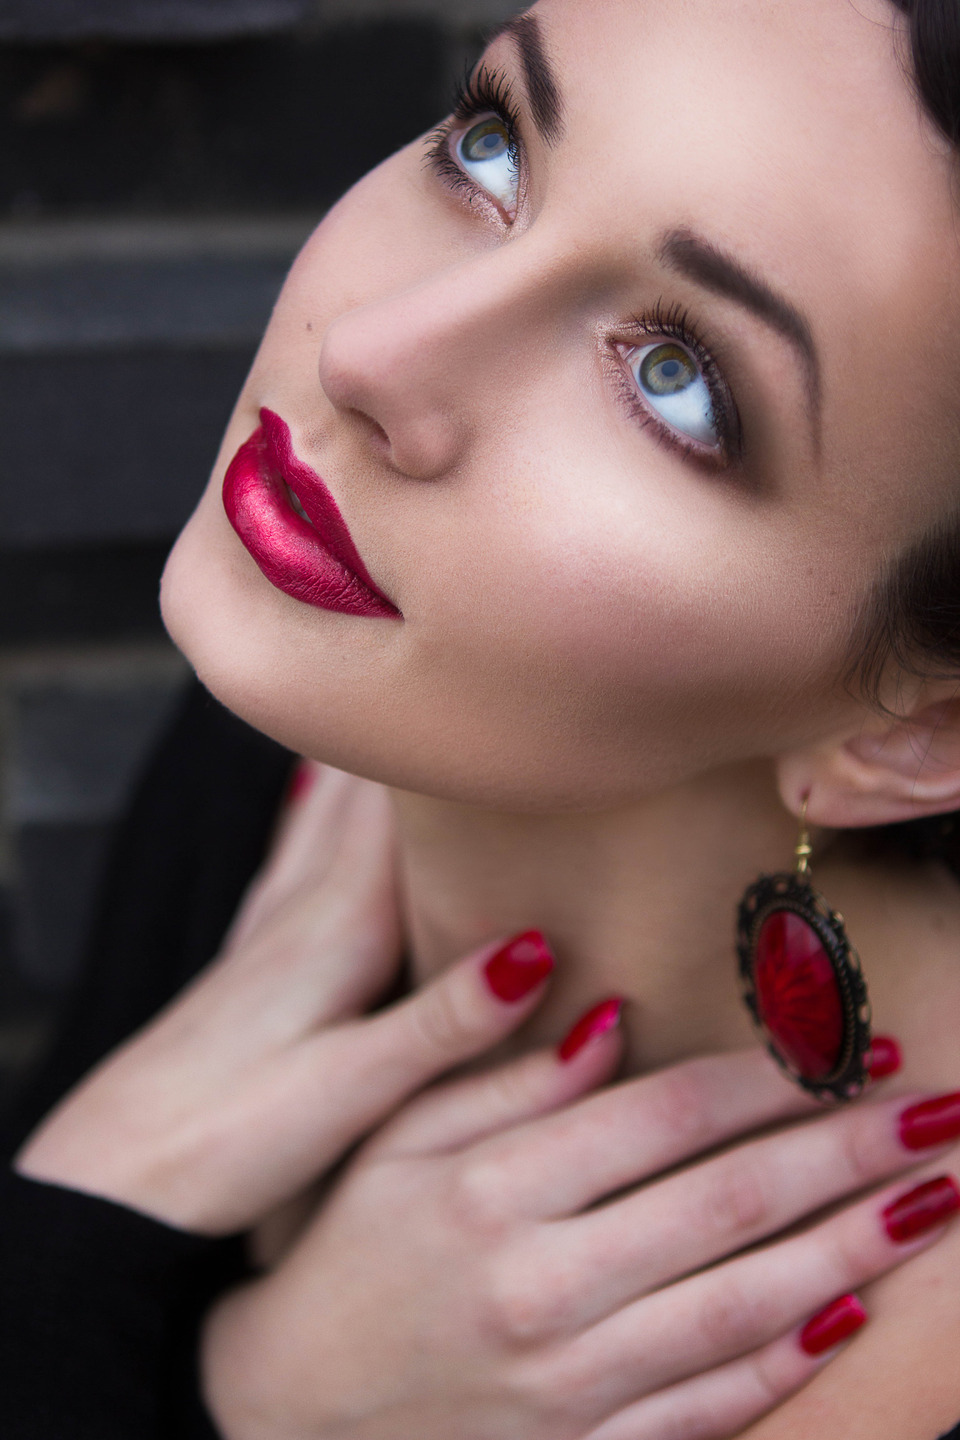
x,y
624,396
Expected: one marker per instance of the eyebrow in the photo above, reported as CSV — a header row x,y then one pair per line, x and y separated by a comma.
x,y
683,250
543,92
720,273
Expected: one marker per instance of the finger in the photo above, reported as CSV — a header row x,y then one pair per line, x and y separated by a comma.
x,y
326,950
308,839
295,821
465,1111
365,1069
721,1403
736,1308
691,1219
569,1160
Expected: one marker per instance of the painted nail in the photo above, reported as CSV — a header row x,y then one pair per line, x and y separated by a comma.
x,y
522,965
595,1022
931,1122
886,1057
835,1322
921,1209
301,781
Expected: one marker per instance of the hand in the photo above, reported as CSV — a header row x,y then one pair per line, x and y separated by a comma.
x,y
464,1280
264,1071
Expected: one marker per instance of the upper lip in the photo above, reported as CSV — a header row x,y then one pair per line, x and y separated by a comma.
x,y
318,503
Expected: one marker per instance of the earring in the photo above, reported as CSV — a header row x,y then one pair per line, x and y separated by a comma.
x,y
802,981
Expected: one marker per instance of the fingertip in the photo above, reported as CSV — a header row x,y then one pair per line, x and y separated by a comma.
x,y
885,1057
924,1209
301,782
832,1325
596,1022
518,968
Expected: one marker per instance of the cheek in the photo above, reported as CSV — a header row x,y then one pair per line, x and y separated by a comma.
x,y
570,636
655,592
647,632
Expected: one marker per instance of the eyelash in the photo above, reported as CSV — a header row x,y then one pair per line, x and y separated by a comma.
x,y
487,92
674,322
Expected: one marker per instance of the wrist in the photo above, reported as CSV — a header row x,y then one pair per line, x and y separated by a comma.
x,y
56,1154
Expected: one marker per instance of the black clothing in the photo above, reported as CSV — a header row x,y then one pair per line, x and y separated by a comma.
x,y
99,1318
196,833
100,1304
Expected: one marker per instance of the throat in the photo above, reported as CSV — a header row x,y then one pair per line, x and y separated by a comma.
x,y
639,902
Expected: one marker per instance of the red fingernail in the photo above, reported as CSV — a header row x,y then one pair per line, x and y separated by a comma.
x,y
886,1057
921,1209
598,1021
522,965
834,1323
931,1122
301,781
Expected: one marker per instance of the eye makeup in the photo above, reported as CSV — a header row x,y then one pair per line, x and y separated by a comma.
x,y
673,322
485,93
716,436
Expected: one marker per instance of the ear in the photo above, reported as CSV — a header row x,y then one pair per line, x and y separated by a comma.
x,y
889,768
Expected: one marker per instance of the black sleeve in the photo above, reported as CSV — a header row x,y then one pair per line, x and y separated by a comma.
x,y
196,832
100,1304
98,1301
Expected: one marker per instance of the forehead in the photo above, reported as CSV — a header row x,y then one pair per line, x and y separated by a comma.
x,y
792,115
787,133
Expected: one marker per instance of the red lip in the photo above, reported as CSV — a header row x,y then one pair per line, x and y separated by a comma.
x,y
314,560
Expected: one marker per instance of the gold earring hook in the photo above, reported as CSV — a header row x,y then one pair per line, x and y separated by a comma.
x,y
803,849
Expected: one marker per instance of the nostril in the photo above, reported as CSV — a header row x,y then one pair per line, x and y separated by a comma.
x,y
375,433
380,444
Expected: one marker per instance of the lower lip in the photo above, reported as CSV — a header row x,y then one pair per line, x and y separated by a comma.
x,y
286,547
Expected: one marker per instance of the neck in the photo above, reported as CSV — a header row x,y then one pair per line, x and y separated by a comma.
x,y
638,901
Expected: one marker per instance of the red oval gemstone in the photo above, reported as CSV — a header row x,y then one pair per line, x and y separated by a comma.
x,y
798,996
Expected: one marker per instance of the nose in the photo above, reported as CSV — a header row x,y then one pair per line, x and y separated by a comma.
x,y
427,365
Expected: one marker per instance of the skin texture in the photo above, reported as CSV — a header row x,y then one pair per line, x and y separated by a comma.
x,y
264,1072
448,375
208,1118
615,658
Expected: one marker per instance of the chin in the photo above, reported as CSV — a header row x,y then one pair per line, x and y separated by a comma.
x,y
225,620
189,613
346,691
302,676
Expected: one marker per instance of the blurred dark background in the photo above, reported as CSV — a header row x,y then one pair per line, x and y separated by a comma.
x,y
160,163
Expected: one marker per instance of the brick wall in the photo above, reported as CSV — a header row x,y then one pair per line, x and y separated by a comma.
x,y
160,163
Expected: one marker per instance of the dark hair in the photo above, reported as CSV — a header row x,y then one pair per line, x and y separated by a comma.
x,y
934,29
914,617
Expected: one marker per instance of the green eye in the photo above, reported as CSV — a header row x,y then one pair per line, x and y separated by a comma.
x,y
673,386
666,369
487,153
487,140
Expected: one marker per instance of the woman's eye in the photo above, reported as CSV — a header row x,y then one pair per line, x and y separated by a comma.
x,y
488,155
673,387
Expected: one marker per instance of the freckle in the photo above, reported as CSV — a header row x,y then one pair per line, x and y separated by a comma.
x,y
309,324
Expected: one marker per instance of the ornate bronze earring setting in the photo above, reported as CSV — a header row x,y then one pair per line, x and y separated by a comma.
x,y
802,981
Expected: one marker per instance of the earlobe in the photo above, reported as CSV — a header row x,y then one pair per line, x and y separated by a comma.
x,y
889,769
